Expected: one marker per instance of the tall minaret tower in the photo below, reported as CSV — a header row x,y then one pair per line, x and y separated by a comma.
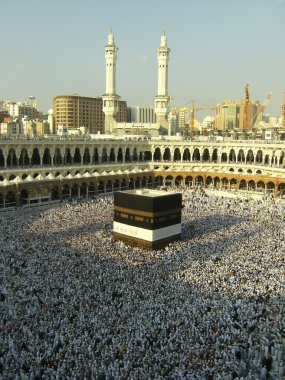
x,y
110,98
161,100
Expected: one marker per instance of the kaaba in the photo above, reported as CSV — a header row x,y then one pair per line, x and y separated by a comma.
x,y
147,218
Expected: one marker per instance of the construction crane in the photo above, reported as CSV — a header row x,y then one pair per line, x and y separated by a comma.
x,y
245,124
192,116
283,113
260,111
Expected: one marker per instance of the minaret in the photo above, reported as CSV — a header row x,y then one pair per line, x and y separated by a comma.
x,y
161,100
110,98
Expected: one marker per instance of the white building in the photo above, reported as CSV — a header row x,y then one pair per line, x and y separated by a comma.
x,y
137,129
21,109
208,123
139,114
50,120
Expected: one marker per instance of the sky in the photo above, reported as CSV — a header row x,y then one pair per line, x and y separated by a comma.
x,y
56,47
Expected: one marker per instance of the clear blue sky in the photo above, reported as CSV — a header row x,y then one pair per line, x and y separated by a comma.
x,y
55,47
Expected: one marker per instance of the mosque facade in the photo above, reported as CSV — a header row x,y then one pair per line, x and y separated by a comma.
x,y
63,169
33,171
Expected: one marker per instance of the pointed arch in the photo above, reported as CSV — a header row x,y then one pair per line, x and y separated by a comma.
x,y
104,157
47,157
167,154
158,181
249,156
24,158
86,156
199,180
36,159
196,155
120,155
177,155
209,181
77,156
232,155
258,157
206,155
178,180
11,158
270,186
233,183
96,156
224,157
57,157
157,154
128,155
169,180
251,185
242,184
260,186
241,156
225,182
215,155
67,157
112,157
217,182
135,154
186,155
189,180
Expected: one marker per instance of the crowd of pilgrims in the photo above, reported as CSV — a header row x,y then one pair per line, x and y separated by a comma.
x,y
75,304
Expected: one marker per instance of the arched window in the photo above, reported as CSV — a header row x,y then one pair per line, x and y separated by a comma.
x,y
47,157
77,156
86,156
157,154
67,157
177,155
186,155
206,155
24,158
11,159
167,155
36,159
196,155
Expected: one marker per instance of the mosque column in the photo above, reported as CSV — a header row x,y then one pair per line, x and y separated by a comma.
x,y
72,153
81,156
41,153
5,160
17,153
